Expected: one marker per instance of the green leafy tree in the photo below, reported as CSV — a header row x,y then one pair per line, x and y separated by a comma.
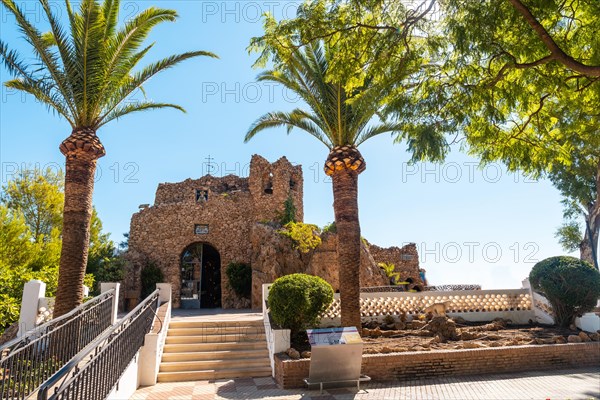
x,y
571,286
346,60
38,195
522,81
85,73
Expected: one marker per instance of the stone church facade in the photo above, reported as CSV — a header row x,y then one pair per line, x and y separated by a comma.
x,y
196,228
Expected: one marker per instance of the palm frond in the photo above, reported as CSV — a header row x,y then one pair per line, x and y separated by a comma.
x,y
293,119
140,78
137,107
44,93
34,37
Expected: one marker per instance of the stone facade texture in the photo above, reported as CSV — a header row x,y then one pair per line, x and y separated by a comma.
x,y
232,215
405,260
440,363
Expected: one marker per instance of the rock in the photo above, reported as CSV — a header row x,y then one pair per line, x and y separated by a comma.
x,y
544,340
559,339
594,336
495,344
376,332
305,354
416,324
467,335
443,326
574,339
584,337
386,350
388,333
293,353
399,326
366,332
372,324
472,345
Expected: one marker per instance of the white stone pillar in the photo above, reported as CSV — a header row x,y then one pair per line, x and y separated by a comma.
x,y
33,291
105,287
165,291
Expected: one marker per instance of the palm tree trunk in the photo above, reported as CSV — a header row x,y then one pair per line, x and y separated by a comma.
x,y
344,164
81,151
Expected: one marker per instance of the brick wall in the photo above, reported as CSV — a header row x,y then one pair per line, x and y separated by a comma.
x,y
418,365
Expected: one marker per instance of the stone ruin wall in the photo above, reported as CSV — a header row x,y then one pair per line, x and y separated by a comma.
x,y
281,179
160,233
405,260
273,256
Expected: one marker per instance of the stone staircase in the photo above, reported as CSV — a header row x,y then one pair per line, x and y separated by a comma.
x,y
205,350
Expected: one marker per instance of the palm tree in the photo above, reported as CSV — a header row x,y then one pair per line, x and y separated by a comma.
x,y
341,121
85,74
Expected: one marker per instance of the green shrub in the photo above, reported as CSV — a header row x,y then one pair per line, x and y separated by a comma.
x,y
305,236
296,301
330,228
150,276
571,286
240,278
289,211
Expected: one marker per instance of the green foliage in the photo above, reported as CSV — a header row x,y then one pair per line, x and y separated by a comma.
x,y
87,70
289,211
296,301
39,197
521,102
305,236
240,278
330,228
30,237
569,236
150,276
572,286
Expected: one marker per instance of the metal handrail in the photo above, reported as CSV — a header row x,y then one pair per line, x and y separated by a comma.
x,y
26,362
95,370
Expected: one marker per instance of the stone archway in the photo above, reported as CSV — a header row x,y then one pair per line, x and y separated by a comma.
x,y
200,276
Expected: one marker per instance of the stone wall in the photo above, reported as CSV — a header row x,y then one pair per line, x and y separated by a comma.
x,y
229,206
429,364
273,256
405,259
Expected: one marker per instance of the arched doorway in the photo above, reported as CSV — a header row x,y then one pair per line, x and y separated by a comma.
x,y
200,277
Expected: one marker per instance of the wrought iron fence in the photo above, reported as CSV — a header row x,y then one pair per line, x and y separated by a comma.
x,y
95,371
28,361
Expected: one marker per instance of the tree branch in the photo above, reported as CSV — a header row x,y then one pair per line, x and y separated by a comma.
x,y
557,52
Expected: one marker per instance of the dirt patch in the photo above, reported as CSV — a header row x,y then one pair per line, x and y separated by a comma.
x,y
398,335
443,333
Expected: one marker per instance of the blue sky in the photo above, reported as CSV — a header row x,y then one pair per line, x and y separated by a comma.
x,y
471,225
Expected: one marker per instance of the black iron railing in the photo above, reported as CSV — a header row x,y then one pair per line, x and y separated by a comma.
x,y
96,370
28,361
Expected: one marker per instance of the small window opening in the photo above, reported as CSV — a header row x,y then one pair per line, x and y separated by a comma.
x,y
201,195
292,184
269,185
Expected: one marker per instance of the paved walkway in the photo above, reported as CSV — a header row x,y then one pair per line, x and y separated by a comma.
x,y
563,384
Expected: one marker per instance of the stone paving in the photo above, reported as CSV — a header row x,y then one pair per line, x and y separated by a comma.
x,y
559,384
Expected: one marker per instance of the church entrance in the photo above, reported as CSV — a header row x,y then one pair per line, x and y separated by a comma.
x,y
200,277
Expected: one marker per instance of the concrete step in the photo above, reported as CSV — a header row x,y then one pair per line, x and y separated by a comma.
x,y
214,374
216,365
216,355
187,323
217,330
225,338
199,347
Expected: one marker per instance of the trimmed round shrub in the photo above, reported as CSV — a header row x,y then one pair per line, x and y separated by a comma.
x,y
571,286
296,301
240,278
